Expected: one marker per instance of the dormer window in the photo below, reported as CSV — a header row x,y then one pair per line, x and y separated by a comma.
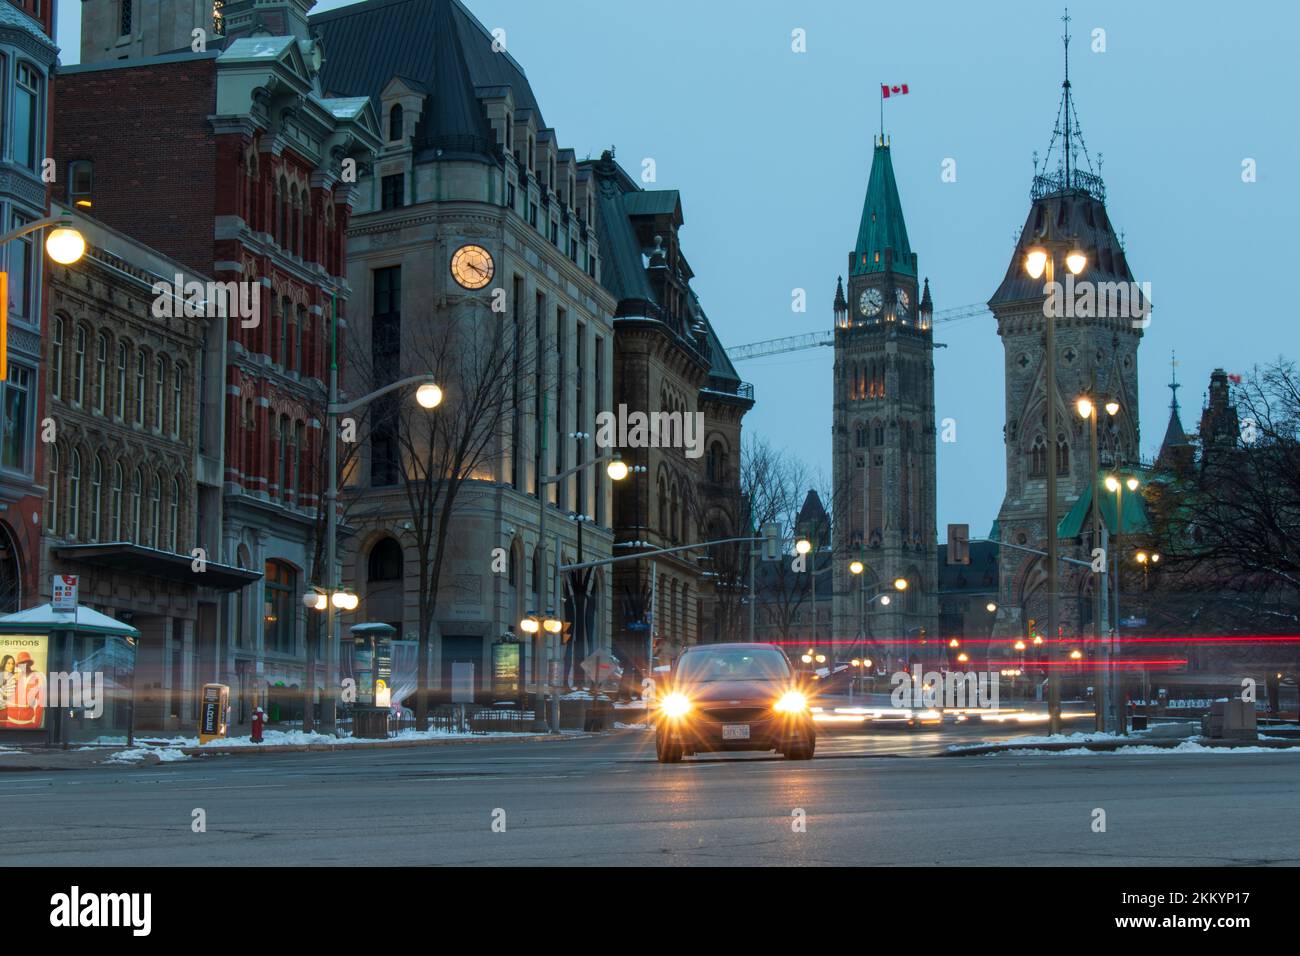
x,y
395,131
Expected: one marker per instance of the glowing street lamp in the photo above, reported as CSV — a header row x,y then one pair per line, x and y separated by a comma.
x,y
900,584
65,245
802,546
428,395
617,468
856,567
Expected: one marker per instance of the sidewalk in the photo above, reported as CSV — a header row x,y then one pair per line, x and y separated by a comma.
x,y
1142,742
150,751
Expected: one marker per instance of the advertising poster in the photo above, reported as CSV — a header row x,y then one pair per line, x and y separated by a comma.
x,y
23,659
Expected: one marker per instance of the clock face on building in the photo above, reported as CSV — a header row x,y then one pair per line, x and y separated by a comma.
x,y
472,266
901,302
869,302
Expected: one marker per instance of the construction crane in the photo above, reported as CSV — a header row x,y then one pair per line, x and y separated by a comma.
x,y
810,340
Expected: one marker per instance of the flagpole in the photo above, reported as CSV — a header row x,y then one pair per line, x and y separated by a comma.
x,y
882,113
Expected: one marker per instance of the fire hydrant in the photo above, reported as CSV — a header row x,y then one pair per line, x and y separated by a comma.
x,y
259,721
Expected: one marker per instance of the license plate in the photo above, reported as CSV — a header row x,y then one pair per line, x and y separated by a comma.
x,y
735,731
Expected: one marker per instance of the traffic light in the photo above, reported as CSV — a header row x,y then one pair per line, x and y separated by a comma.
x,y
566,632
1032,628
958,551
772,541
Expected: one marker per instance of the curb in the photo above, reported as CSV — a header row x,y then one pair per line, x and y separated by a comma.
x,y
376,745
1109,746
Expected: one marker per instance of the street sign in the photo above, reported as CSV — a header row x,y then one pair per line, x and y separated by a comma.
x,y
65,592
599,667
1134,622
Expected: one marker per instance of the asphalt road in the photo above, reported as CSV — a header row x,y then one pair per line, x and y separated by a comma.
x,y
604,800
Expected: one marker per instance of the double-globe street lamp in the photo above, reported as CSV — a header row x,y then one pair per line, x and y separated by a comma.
x,y
429,396
1117,485
857,568
617,470
1040,262
1087,409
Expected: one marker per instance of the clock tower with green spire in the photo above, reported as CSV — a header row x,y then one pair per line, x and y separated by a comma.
x,y
884,436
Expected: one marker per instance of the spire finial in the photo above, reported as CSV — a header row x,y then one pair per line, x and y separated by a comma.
x,y
1173,380
1065,85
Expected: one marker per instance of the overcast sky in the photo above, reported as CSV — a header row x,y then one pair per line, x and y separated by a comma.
x,y
771,150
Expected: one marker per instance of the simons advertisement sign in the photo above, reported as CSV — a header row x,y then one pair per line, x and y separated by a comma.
x,y
23,659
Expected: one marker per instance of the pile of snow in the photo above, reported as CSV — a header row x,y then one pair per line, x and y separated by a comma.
x,y
622,726
1076,738
1186,747
137,754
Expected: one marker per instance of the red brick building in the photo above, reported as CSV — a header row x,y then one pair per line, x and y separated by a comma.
x,y
27,58
233,162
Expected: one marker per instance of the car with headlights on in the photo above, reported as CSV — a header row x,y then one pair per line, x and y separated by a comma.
x,y
724,697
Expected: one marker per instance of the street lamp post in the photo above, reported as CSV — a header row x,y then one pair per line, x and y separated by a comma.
x,y
429,395
1087,409
1040,262
617,470
1114,484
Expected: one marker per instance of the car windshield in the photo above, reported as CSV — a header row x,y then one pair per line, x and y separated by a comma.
x,y
749,663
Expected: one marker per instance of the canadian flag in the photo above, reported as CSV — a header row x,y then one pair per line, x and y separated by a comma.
x,y
886,91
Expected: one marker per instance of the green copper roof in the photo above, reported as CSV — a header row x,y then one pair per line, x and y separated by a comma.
x,y
1080,516
882,225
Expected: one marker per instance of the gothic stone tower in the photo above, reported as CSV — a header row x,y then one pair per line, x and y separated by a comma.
x,y
1096,353
884,433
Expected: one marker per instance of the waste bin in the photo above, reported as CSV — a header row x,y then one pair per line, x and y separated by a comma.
x,y
370,723
599,716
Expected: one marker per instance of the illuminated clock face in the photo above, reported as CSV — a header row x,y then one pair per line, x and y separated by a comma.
x,y
901,302
472,266
869,302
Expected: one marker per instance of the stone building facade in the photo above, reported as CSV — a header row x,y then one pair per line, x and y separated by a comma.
x,y
472,216
133,473
883,434
668,359
1096,354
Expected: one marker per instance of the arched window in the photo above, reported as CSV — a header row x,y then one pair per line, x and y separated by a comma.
x,y
1062,455
395,123
119,399
159,391
96,499
52,493
713,466
115,504
860,436
125,10
137,490
174,516
178,395
56,358
280,603
1038,458
79,366
141,370
385,562
101,370
155,511
74,493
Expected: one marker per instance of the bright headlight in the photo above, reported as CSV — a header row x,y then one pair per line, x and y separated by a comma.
x,y
675,705
791,702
